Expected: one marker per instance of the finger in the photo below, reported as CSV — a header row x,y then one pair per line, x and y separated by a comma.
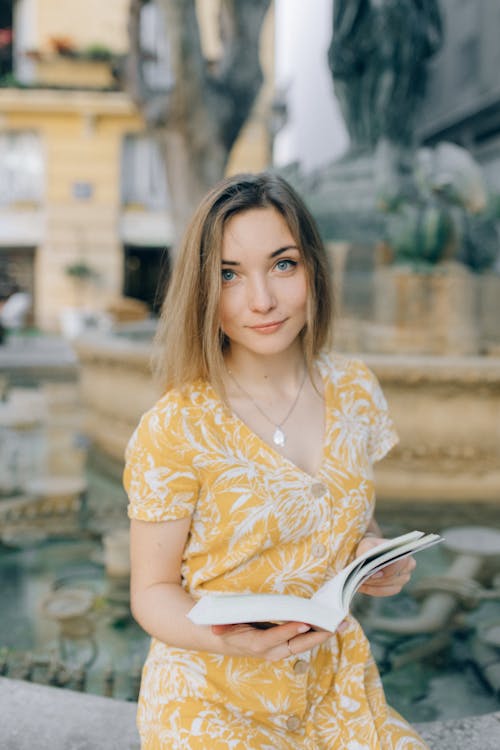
x,y
382,580
393,571
389,589
268,640
381,593
398,581
275,643
281,633
339,629
408,564
302,643
399,570
368,543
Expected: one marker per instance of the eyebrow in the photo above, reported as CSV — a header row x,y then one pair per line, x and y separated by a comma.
x,y
274,254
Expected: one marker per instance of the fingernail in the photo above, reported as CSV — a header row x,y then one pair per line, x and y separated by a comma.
x,y
303,628
378,575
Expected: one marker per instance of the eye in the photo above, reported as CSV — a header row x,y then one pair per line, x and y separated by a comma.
x,y
286,264
228,275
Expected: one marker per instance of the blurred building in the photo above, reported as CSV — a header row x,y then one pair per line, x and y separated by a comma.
x,y
463,99
82,187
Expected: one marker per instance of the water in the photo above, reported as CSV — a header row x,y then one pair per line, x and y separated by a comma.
x,y
35,568
445,684
28,576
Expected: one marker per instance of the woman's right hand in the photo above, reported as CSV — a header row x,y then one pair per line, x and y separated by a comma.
x,y
272,644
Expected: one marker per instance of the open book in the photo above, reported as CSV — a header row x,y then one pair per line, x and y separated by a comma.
x,y
329,605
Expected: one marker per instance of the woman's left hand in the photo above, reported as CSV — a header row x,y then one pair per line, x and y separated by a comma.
x,y
392,578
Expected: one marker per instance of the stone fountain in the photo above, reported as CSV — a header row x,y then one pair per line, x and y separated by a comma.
x,y
446,410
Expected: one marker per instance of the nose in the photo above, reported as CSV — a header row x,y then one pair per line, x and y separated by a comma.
x,y
260,294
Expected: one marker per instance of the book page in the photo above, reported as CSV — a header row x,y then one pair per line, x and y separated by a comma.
x,y
331,590
361,573
342,587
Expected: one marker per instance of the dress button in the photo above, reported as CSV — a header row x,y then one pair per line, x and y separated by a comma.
x,y
318,489
293,723
300,667
318,550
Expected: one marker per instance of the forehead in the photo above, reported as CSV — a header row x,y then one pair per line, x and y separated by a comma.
x,y
263,229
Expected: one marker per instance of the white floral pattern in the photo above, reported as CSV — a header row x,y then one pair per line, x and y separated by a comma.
x,y
258,522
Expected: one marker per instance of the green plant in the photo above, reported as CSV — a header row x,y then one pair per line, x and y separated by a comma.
x,y
10,81
98,52
80,270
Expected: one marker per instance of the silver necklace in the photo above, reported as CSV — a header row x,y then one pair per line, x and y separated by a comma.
x,y
279,437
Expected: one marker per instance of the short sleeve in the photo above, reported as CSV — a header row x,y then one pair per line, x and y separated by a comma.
x,y
159,477
382,434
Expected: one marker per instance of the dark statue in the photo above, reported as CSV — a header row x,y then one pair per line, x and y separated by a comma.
x,y
378,57
428,205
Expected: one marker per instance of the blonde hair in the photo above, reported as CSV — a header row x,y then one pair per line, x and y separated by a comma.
x,y
189,343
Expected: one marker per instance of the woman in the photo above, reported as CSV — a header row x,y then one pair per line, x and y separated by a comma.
x,y
253,473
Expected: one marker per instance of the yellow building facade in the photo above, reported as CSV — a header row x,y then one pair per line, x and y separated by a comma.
x,y
81,185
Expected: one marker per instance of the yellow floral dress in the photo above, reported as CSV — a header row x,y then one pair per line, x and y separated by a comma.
x,y
261,524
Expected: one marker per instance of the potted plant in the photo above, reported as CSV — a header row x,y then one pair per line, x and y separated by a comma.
x,y
74,320
63,45
81,271
98,52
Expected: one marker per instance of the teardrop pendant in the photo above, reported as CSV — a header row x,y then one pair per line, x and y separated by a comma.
x,y
279,437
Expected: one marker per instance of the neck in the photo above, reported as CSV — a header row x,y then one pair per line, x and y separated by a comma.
x,y
285,367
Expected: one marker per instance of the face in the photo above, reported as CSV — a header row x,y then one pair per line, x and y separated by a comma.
x,y
264,284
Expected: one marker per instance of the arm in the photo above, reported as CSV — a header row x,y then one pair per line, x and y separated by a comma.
x,y
160,604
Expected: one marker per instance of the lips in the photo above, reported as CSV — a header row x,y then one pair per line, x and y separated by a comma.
x,y
270,327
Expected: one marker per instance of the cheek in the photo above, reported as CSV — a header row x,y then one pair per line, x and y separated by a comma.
x,y
227,310
299,293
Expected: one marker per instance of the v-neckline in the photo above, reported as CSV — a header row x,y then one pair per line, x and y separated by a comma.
x,y
327,384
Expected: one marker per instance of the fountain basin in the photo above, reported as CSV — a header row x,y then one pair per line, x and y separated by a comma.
x,y
446,410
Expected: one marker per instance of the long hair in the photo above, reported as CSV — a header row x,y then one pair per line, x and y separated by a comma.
x,y
189,343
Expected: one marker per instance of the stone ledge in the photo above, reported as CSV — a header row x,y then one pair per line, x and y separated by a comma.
x,y
48,718
64,720
469,733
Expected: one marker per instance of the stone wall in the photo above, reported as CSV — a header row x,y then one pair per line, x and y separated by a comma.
x,y
46,718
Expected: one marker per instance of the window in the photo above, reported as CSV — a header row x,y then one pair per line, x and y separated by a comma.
x,y
21,168
144,179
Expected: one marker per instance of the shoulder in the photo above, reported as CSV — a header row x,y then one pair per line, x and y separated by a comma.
x,y
352,378
173,416
343,370
187,401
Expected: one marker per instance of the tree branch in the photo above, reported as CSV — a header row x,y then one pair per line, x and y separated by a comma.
x,y
187,63
153,104
239,75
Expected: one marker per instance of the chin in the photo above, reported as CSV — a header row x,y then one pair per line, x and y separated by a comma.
x,y
269,346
